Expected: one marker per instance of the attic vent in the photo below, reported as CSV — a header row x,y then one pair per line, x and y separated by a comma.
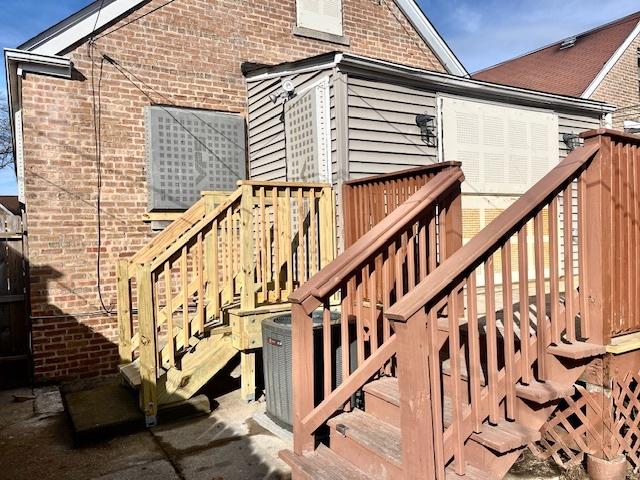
x,y
568,43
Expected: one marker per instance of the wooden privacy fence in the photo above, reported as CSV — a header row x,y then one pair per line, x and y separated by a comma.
x,y
249,248
374,273
14,326
366,201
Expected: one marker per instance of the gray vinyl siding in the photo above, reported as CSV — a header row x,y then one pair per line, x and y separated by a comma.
x,y
383,135
267,148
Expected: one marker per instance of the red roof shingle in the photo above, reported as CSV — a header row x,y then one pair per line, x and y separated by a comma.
x,y
566,71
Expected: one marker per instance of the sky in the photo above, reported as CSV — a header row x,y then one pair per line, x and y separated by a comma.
x,y
480,32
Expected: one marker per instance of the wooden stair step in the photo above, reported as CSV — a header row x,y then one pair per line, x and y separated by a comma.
x,y
376,436
464,373
323,464
385,388
443,323
130,373
576,350
544,392
505,436
471,473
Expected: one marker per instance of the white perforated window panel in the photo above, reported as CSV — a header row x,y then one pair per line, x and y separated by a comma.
x,y
320,15
504,150
308,140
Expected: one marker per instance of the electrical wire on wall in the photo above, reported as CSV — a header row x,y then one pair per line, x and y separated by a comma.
x,y
97,130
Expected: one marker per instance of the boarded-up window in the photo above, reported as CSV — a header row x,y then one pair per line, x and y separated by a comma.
x,y
308,141
190,151
503,150
320,15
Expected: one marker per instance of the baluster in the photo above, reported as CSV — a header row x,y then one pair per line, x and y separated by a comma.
x,y
523,280
124,312
276,245
411,258
585,324
492,342
422,249
288,230
436,392
554,287
185,296
345,310
399,260
567,202
301,263
263,244
326,348
373,305
214,274
538,231
433,241
313,236
509,350
360,317
456,394
200,278
230,259
475,365
169,314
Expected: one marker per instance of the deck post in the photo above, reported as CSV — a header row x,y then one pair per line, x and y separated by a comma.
x,y
415,397
124,311
302,376
597,236
148,341
247,293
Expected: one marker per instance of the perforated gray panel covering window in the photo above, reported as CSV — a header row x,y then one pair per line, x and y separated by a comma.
x,y
302,144
189,151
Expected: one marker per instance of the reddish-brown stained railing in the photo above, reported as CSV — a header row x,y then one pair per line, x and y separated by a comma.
x,y
557,299
366,201
366,280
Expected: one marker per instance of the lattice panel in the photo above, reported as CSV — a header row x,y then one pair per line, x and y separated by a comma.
x,y
594,422
626,416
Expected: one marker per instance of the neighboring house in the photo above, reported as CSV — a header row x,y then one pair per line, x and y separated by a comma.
x,y
96,74
600,64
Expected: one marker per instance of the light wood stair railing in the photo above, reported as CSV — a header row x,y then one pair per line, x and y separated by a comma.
x,y
249,249
370,276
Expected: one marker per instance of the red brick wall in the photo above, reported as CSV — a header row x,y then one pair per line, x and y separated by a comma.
x,y
191,51
621,86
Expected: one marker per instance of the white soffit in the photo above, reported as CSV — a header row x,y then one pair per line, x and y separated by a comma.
x,y
611,62
430,35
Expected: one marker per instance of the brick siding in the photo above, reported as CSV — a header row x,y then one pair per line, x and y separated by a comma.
x,y
191,51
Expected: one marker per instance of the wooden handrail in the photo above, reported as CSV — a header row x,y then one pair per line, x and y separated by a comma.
x,y
506,224
368,277
434,168
345,264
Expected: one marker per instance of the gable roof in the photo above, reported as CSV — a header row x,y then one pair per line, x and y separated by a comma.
x,y
67,33
576,70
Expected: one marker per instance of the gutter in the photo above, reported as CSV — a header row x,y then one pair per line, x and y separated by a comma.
x,y
453,84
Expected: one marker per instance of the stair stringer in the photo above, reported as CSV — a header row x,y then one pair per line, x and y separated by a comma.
x,y
210,356
527,413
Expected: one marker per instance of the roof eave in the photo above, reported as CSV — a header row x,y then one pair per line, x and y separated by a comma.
x,y
431,37
595,83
